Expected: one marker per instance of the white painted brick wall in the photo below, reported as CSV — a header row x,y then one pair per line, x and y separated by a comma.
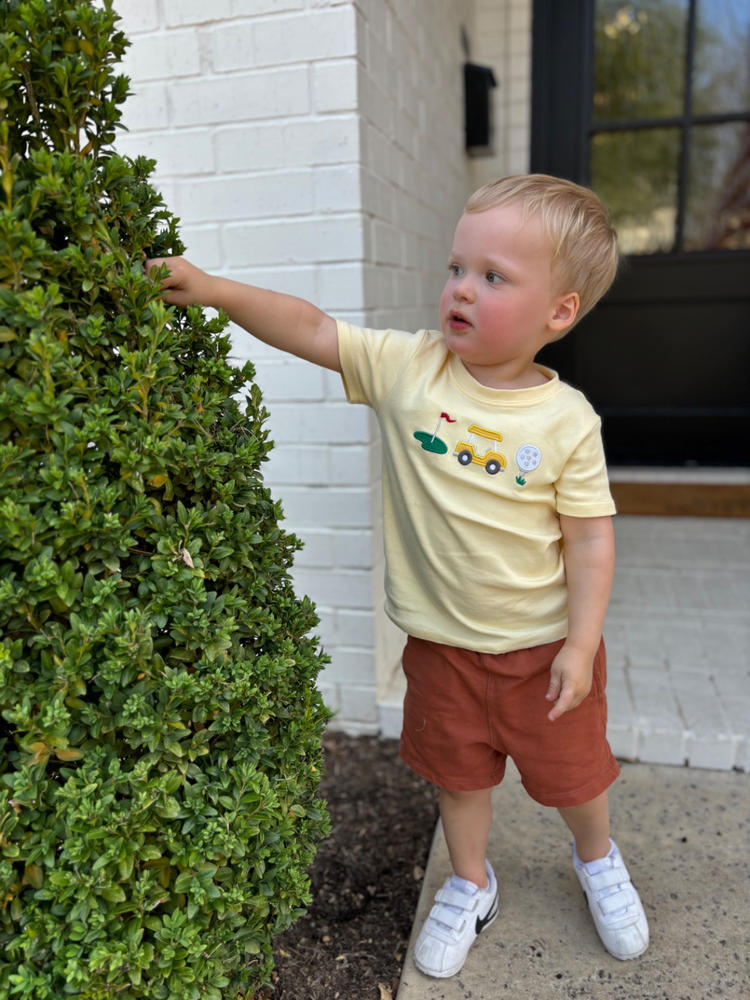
x,y
316,147
501,38
414,171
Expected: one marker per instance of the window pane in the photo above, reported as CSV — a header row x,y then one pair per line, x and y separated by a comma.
x,y
718,193
635,173
721,70
639,59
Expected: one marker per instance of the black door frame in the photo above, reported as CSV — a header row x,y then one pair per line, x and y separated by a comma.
x,y
562,48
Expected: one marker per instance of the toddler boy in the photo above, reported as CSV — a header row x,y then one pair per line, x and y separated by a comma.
x,y
498,534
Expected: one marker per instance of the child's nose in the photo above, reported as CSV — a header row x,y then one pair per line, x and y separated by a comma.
x,y
464,289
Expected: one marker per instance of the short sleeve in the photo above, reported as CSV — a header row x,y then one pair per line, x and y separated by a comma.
x,y
371,360
583,487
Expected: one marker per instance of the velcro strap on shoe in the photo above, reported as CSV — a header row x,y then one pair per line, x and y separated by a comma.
x,y
608,878
456,921
616,902
452,897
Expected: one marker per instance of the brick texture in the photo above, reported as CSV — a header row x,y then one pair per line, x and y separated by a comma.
x,y
316,147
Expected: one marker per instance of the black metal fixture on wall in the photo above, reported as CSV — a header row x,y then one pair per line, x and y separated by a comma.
x,y
479,82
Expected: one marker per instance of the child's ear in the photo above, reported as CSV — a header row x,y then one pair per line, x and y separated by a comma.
x,y
564,312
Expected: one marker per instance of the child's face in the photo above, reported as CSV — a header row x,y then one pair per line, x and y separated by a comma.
x,y
500,305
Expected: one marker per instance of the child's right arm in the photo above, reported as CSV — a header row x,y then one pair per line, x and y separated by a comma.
x,y
283,321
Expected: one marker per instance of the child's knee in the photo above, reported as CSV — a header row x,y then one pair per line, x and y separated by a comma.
x,y
460,797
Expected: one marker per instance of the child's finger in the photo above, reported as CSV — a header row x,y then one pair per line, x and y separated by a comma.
x,y
563,704
555,686
170,278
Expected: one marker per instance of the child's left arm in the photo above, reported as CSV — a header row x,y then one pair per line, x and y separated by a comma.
x,y
589,555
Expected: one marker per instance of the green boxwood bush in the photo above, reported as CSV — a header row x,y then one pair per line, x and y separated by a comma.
x,y
160,728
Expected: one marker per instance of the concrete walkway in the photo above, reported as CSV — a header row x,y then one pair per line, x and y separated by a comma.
x,y
684,834
678,638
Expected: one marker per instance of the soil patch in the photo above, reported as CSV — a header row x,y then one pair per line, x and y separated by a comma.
x,y
366,878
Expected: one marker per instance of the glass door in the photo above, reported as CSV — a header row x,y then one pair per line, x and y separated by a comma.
x,y
669,127
649,103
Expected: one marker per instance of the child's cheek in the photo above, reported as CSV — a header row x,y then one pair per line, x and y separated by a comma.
x,y
445,301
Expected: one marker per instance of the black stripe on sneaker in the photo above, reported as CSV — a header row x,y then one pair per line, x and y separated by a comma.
x,y
489,916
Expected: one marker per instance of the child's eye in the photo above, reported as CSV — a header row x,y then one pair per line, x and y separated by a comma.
x,y
455,270
494,278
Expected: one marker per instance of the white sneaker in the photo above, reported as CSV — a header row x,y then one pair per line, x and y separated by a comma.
x,y
460,914
614,904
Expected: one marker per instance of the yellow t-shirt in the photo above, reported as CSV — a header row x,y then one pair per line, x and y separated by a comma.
x,y
473,482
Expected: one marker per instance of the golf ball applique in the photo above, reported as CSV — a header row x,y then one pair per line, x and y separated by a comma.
x,y
528,458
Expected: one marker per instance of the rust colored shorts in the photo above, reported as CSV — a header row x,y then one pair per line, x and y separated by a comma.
x,y
466,712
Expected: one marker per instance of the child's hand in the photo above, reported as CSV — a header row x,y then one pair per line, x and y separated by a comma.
x,y
185,285
571,677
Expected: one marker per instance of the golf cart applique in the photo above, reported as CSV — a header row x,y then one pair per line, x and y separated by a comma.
x,y
483,454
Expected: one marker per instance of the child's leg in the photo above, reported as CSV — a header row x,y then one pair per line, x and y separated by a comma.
x,y
445,717
589,824
466,818
468,901
613,899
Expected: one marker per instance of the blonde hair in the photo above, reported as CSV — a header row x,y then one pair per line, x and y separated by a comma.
x,y
584,242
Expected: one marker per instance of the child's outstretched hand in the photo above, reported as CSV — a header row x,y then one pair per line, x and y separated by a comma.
x,y
185,285
571,676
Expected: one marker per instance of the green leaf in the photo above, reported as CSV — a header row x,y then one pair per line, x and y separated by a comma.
x,y
183,882
113,894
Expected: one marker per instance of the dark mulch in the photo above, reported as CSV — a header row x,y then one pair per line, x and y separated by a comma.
x,y
366,877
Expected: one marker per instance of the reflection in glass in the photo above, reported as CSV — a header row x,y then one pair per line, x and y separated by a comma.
x,y
721,68
639,59
718,188
636,173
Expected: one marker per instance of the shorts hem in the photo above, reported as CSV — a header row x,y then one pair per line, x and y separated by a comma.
x,y
448,783
578,796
